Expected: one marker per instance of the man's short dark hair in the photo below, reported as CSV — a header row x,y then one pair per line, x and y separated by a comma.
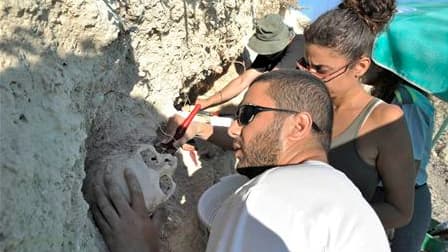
x,y
301,91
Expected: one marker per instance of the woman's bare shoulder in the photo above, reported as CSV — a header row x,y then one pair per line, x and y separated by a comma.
x,y
385,114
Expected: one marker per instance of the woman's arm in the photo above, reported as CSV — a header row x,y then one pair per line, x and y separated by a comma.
x,y
234,88
396,167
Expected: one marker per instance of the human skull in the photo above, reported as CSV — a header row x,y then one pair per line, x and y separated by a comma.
x,y
153,171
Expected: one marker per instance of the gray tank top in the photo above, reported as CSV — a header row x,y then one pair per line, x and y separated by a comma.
x,y
344,155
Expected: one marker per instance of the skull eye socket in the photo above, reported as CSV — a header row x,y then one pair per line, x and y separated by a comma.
x,y
149,158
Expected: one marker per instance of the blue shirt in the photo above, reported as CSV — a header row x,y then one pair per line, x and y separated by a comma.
x,y
419,115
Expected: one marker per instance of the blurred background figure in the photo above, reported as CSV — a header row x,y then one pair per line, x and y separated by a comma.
x,y
408,70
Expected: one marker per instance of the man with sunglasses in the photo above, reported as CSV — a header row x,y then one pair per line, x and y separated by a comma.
x,y
294,200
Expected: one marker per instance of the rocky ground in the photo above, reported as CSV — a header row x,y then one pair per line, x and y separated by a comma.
x,y
438,168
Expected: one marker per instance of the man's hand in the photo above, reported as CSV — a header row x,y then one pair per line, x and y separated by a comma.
x,y
126,227
196,129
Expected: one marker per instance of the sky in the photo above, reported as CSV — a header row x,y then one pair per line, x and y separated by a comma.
x,y
313,8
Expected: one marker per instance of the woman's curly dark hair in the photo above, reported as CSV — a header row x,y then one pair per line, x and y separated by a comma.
x,y
351,28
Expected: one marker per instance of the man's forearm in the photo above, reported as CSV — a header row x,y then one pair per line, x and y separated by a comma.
x,y
221,138
234,88
216,135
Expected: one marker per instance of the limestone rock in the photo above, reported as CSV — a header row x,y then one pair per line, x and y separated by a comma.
x,y
77,78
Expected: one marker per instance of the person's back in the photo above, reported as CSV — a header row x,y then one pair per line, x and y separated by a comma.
x,y
305,207
419,114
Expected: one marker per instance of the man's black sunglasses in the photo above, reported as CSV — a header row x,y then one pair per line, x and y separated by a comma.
x,y
246,114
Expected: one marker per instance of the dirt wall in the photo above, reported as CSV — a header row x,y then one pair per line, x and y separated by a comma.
x,y
79,77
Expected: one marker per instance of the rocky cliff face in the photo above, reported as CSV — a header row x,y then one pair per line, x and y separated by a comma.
x,y
80,79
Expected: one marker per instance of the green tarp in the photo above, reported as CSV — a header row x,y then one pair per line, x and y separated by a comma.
x,y
415,46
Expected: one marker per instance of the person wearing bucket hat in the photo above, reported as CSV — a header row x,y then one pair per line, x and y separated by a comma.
x,y
291,200
271,36
277,47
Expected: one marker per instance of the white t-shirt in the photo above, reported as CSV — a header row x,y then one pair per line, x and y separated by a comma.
x,y
307,207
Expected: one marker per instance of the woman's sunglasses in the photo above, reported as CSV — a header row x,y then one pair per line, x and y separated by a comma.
x,y
303,65
246,114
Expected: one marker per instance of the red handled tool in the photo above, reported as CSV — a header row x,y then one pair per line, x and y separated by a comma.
x,y
180,131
